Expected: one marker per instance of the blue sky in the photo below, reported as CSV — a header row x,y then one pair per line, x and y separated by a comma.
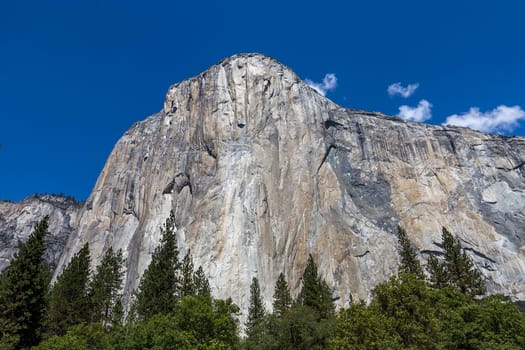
x,y
74,75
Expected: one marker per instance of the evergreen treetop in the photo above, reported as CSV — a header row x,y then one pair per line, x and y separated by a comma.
x,y
202,285
457,269
67,300
159,287
408,254
256,311
23,287
282,300
104,289
187,278
315,292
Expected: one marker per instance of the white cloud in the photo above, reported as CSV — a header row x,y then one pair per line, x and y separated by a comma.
x,y
329,83
398,89
501,118
416,114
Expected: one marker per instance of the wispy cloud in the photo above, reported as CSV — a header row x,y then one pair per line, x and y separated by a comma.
x,y
501,118
398,89
416,114
329,84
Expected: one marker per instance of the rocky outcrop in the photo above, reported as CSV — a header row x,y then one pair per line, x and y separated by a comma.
x,y
17,221
261,171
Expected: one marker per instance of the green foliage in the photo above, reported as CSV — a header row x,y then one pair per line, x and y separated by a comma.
x,y
104,288
159,287
301,328
408,304
256,311
363,328
197,323
67,300
521,305
406,313
158,332
81,337
437,272
457,269
408,254
210,321
315,293
282,300
23,287
187,281
202,286
307,324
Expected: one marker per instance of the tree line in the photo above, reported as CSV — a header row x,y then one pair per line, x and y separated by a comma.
x,y
437,306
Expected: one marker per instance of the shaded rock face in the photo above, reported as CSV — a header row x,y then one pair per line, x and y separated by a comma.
x,y
261,171
17,221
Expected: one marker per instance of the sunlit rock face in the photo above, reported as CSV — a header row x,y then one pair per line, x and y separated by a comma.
x,y
261,171
17,221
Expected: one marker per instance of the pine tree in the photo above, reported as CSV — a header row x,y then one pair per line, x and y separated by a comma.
x,y
256,311
202,285
187,282
104,289
437,272
460,268
456,270
23,287
159,287
117,313
282,300
315,292
68,303
409,261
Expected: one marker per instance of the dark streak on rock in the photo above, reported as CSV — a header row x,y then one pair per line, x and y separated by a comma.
x,y
362,255
210,151
325,156
481,255
332,124
431,252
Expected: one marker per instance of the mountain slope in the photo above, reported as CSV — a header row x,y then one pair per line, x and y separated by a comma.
x,y
17,221
261,171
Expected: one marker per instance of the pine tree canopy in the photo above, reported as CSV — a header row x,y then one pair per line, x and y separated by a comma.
x,y
159,287
315,292
202,285
104,289
282,300
68,303
457,269
23,287
408,254
256,311
187,281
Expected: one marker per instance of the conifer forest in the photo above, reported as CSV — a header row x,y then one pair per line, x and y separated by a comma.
x,y
439,303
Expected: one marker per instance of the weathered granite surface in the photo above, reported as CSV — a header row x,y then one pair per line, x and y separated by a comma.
x,y
17,221
261,171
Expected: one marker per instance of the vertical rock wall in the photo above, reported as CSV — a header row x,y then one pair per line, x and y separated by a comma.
x,y
261,171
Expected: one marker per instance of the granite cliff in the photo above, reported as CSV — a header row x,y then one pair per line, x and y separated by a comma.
x,y
17,221
261,171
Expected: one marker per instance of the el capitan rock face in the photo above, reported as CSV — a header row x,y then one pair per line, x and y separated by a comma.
x,y
261,171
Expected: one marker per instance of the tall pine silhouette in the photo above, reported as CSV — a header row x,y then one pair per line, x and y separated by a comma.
x,y
282,300
68,303
315,292
159,288
408,255
457,269
256,311
104,289
23,287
